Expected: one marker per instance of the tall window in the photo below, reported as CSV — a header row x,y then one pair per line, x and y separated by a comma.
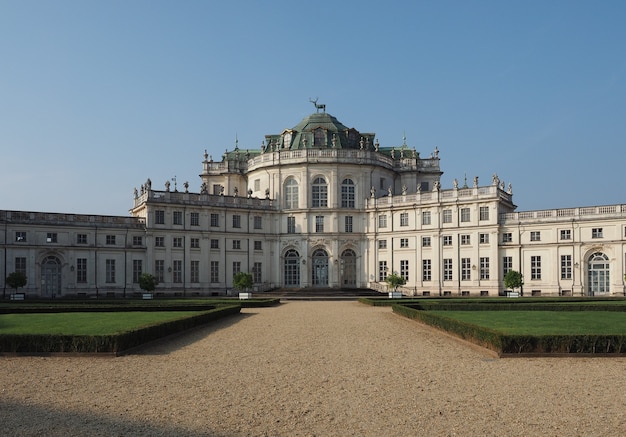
x,y
109,271
484,268
194,271
178,218
258,222
484,213
566,266
159,217
215,271
137,270
447,216
348,223
159,270
404,269
404,219
319,137
447,269
347,193
291,225
598,274
291,193
535,267
319,223
382,221
215,220
426,217
20,264
426,270
507,264
319,193
382,271
466,269
236,267
81,270
465,214
258,245
177,271
257,273
194,219
236,221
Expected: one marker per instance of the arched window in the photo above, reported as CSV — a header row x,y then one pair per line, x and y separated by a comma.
x,y
291,193
348,268
598,274
320,268
319,193
347,193
292,268
319,137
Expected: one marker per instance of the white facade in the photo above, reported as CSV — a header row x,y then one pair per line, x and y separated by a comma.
x,y
321,205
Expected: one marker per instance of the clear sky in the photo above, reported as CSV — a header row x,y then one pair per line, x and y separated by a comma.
x,y
98,96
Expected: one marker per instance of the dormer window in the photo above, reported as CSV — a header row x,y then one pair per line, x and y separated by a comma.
x,y
319,137
287,140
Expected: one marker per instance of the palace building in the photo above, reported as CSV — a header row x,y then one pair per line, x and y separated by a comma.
x,y
319,205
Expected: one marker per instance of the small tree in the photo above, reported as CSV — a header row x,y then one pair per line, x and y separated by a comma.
x,y
394,281
16,280
242,281
148,282
513,279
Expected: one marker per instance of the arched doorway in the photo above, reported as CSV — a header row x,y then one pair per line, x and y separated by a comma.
x,y
598,274
51,277
292,268
319,272
348,268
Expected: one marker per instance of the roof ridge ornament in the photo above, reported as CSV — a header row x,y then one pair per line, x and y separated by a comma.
x,y
318,107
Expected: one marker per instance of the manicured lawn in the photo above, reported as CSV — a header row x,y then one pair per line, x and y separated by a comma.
x,y
88,323
544,322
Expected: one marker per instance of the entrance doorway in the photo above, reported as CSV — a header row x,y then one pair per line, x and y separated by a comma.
x,y
51,277
348,268
320,268
292,268
599,274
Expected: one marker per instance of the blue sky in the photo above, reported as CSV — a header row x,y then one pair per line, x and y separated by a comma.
x,y
97,96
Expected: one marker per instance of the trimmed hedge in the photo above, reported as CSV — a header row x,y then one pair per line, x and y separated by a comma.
x,y
112,344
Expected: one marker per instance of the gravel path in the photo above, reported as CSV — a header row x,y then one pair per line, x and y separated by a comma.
x,y
312,369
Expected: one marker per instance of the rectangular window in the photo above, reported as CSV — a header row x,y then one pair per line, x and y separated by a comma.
x,y
110,239
425,241
382,221
382,183
535,236
596,233
257,185
215,271
159,270
159,241
348,223
382,271
465,215
404,219
257,273
194,219
404,269
178,218
484,268
194,271
217,190
507,237
258,222
425,217
447,269
566,234
81,270
20,236
236,267
236,221
177,271
404,242
291,225
159,217
465,239
425,186
507,264
137,270
484,213
426,270
194,243
215,220
20,264
215,243
447,240
535,267
177,242
319,223
236,244
484,238
382,244
82,239
137,240
466,269
51,237
258,245
447,216
109,277
566,266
